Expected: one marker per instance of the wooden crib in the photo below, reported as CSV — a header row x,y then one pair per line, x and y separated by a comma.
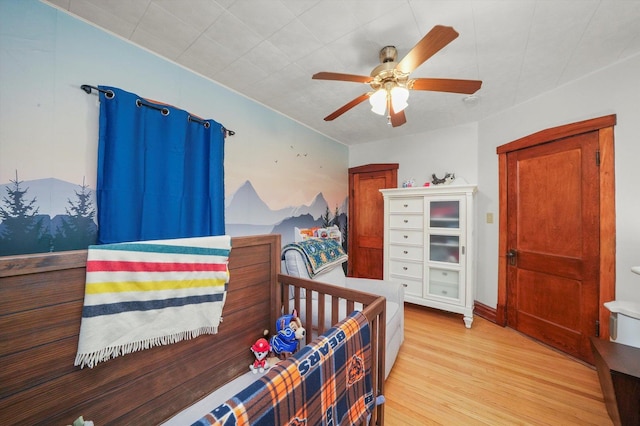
x,y
41,299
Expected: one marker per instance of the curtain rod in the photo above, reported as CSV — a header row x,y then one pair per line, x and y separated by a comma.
x,y
165,111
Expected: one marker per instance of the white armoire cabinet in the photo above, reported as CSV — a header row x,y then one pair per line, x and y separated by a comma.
x,y
429,245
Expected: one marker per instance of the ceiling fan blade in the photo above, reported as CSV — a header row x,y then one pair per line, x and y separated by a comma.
x,y
447,85
397,118
342,77
436,39
337,113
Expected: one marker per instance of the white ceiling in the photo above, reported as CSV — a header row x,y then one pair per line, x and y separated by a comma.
x,y
269,49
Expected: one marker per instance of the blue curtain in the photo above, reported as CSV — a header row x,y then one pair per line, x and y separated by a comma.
x,y
160,171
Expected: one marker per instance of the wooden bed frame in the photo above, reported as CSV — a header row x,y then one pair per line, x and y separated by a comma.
x,y
41,299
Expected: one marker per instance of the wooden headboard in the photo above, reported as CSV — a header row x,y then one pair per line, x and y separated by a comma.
x,y
41,299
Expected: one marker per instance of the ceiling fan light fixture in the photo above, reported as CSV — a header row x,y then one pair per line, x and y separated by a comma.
x,y
399,96
378,101
390,80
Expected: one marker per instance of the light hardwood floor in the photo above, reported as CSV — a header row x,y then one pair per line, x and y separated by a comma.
x,y
446,374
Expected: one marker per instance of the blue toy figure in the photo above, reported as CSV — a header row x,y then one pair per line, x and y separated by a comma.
x,y
289,330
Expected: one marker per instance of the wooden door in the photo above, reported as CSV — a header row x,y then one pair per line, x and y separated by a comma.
x,y
557,234
553,242
366,218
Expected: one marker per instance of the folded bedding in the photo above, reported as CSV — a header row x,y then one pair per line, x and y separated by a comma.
x,y
319,254
326,382
144,294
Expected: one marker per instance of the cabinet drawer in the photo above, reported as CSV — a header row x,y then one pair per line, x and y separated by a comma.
x,y
406,252
406,205
405,269
397,236
443,276
444,290
406,221
411,287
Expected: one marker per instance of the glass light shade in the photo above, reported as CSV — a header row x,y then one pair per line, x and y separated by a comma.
x,y
378,101
399,96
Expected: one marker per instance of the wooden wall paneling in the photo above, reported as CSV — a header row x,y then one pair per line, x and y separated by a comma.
x,y
40,307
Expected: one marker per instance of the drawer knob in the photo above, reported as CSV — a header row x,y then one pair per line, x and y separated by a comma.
x,y
406,221
405,236
406,205
445,274
404,285
405,268
405,252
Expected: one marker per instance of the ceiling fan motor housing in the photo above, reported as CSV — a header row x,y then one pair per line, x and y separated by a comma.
x,y
386,75
388,54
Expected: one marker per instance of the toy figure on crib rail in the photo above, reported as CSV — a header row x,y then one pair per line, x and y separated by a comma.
x,y
260,349
289,330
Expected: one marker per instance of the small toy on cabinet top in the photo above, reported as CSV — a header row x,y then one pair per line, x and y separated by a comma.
x,y
408,183
447,179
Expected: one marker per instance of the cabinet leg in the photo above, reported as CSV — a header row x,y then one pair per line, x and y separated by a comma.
x,y
468,321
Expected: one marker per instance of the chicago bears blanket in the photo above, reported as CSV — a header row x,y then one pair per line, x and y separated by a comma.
x,y
325,383
143,294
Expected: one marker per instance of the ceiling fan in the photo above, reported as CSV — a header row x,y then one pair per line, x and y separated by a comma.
x,y
391,83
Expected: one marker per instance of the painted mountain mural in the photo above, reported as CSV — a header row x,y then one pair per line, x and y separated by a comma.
x,y
247,214
317,208
246,207
55,215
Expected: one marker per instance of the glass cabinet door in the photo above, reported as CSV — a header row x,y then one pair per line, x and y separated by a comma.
x,y
444,214
444,248
444,233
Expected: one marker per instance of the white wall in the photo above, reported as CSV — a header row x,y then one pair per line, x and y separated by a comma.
x,y
49,127
613,90
447,150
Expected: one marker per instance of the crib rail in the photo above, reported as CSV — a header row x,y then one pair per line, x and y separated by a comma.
x,y
322,305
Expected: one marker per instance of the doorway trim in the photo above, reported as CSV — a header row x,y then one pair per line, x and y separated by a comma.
x,y
607,275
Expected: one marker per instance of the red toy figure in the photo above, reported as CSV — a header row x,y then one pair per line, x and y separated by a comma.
x,y
260,349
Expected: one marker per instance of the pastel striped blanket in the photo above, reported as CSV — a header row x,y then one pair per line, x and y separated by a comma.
x,y
325,383
144,294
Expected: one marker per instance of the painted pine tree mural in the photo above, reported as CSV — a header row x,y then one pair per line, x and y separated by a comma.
x,y
23,231
77,230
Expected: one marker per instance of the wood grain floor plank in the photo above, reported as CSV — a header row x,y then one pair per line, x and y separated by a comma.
x,y
446,374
